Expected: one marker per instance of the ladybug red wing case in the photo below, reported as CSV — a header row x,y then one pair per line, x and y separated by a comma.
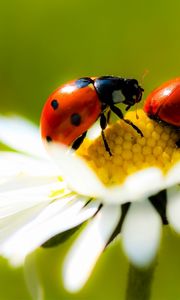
x,y
163,104
69,112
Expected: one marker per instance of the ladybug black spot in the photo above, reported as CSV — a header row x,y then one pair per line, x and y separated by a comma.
x,y
48,139
54,104
75,119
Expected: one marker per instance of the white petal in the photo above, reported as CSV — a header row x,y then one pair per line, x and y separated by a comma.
x,y
44,210
173,176
43,228
94,131
9,225
21,135
173,207
16,200
137,186
141,233
25,182
15,164
76,172
86,250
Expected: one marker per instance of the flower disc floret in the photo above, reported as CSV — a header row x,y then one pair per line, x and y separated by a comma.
x,y
130,152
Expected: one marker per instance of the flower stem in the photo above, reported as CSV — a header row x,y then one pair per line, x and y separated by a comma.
x,y
139,283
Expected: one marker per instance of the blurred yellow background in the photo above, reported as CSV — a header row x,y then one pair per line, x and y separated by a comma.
x,y
45,43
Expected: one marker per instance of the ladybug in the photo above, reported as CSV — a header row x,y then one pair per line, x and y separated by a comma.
x,y
74,107
163,104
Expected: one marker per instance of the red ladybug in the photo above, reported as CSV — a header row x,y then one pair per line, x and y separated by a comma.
x,y
163,104
74,107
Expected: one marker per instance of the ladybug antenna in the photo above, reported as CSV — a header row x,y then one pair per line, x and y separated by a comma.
x,y
145,73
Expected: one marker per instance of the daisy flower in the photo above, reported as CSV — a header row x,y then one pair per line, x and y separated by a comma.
x,y
128,195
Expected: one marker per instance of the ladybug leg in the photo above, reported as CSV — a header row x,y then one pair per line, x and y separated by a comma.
x,y
105,143
178,144
128,107
119,113
77,143
134,126
103,124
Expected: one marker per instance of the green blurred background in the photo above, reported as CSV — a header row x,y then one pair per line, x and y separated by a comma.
x,y
45,43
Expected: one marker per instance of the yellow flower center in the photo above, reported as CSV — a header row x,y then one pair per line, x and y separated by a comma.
x,y
130,151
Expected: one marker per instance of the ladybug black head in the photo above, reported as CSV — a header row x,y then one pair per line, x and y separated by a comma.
x,y
112,90
132,92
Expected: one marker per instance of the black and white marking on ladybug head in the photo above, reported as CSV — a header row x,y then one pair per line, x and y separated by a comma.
x,y
118,96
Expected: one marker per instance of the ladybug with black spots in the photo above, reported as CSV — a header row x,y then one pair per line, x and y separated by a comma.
x,y
163,104
74,107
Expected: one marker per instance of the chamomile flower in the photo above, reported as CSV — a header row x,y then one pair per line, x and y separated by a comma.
x,y
130,194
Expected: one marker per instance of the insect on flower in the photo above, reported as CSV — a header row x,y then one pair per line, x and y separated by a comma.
x,y
74,107
163,104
